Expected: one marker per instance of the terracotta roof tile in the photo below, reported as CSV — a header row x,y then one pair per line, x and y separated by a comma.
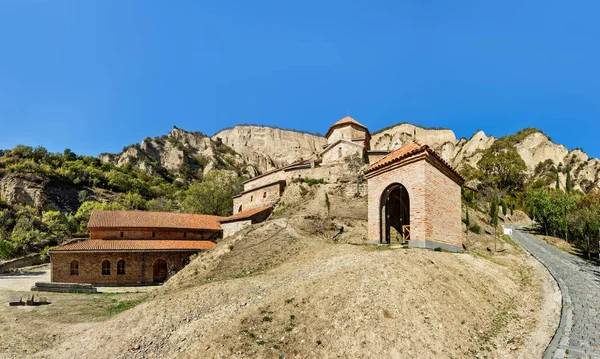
x,y
408,150
105,245
345,121
245,214
142,219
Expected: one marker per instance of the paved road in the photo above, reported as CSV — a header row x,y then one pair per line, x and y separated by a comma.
x,y
579,281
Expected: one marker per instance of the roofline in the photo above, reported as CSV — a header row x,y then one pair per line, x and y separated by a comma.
x,y
338,141
187,229
336,125
257,188
247,217
126,250
273,171
423,154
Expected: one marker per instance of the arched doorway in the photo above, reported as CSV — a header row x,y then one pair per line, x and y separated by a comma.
x,y
159,270
394,215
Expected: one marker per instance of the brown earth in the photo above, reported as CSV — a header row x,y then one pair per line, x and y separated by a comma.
x,y
285,288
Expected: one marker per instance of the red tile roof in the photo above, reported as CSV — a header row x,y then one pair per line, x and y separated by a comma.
x,y
142,219
107,245
245,214
408,150
345,121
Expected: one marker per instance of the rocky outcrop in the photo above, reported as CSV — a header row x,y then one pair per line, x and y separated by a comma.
x,y
470,151
268,147
537,148
396,136
42,194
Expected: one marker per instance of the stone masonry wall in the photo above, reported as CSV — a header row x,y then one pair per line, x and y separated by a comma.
x,y
333,154
231,228
90,266
347,133
261,197
270,178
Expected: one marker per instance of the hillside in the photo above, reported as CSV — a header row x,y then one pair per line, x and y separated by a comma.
x,y
284,288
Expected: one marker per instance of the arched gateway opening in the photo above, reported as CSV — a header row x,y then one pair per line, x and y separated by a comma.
x,y
395,215
159,271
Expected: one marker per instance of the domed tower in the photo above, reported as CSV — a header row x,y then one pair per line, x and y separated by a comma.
x,y
346,138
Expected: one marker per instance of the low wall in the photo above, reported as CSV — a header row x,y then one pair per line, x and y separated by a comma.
x,y
27,261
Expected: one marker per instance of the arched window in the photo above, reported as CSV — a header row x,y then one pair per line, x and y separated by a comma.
x,y
74,268
240,209
264,194
121,267
251,198
340,152
106,267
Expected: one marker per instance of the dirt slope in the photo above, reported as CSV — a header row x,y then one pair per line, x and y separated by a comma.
x,y
284,288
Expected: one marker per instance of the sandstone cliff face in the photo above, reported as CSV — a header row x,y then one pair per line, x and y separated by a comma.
x,y
394,137
42,194
181,149
252,150
269,148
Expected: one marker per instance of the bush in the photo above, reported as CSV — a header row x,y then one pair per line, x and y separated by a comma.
x,y
475,228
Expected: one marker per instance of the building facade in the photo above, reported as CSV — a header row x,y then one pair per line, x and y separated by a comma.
x,y
134,247
414,197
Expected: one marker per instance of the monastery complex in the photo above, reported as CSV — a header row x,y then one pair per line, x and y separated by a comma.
x,y
414,198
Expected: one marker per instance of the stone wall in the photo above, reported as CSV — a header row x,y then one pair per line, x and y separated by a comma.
x,y
278,175
347,132
258,198
231,228
138,266
435,204
333,154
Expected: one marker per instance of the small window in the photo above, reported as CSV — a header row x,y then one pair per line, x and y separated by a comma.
x,y
74,268
121,234
264,194
341,152
121,267
153,234
251,198
184,234
106,267
240,209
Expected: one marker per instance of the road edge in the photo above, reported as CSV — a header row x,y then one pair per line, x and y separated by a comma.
x,y
563,331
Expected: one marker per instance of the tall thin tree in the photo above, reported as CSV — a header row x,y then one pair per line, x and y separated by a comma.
x,y
494,216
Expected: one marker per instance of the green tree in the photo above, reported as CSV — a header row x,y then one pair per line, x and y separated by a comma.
x,y
134,201
494,216
214,194
569,184
585,222
557,182
7,249
468,224
502,167
56,226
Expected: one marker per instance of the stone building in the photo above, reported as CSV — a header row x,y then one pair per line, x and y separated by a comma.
x,y
134,247
414,197
345,138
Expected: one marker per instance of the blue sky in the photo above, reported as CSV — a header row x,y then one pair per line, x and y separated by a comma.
x,y
95,76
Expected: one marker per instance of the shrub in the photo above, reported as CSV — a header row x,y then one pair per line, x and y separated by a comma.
x,y
475,228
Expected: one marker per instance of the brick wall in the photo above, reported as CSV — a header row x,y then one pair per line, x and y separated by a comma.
x,y
90,266
434,202
101,233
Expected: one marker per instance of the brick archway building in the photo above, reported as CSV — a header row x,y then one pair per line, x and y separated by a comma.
x,y
414,184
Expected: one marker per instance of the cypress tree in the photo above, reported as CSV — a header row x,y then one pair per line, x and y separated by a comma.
x,y
569,185
557,182
494,216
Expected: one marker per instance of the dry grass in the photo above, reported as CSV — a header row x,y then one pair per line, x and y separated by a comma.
x,y
284,288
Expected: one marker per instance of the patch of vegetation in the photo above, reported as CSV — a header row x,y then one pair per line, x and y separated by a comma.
x,y
123,306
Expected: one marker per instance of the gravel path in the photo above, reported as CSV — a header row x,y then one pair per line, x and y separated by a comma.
x,y
579,333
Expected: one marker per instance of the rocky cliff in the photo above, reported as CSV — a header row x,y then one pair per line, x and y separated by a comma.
x,y
252,150
268,148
